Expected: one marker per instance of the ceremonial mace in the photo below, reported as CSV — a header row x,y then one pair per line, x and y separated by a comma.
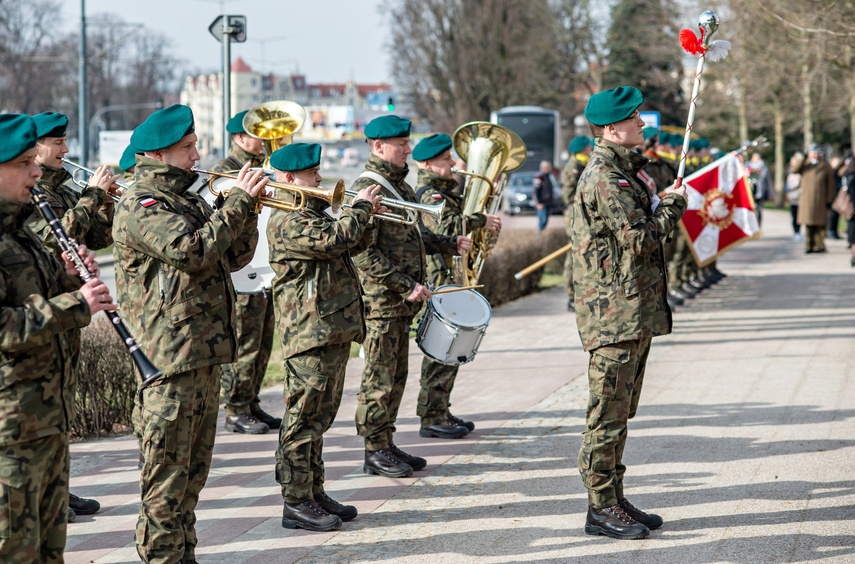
x,y
700,46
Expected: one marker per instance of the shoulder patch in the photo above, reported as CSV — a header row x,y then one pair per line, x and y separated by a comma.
x,y
436,196
148,202
623,183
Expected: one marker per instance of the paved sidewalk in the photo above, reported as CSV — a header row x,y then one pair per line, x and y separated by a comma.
x,y
744,442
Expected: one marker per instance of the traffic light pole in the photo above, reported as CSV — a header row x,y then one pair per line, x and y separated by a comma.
x,y
227,84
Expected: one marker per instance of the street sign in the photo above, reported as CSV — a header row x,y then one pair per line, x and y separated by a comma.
x,y
650,119
233,26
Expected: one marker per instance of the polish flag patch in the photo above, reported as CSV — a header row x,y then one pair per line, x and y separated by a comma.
x,y
437,196
148,202
623,183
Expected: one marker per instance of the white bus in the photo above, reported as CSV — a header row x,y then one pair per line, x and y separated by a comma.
x,y
540,130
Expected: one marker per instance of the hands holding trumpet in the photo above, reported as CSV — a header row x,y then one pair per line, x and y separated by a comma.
x,y
106,180
372,194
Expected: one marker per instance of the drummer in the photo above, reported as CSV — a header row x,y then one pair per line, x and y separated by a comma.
x,y
437,184
319,313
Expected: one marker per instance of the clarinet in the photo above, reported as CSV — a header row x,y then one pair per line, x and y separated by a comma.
x,y
148,371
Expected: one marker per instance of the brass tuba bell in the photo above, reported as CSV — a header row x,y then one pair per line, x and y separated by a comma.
x,y
274,123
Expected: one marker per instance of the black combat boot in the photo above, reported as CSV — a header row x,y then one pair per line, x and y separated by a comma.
x,y
245,423
415,462
649,520
70,515
384,462
614,522
444,430
264,417
83,506
331,506
688,290
468,424
310,516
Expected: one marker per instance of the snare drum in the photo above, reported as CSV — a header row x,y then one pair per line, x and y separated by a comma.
x,y
258,275
453,326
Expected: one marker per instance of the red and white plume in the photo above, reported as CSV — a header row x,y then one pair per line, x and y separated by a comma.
x,y
694,45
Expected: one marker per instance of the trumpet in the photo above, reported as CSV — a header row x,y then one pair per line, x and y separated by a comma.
x,y
83,184
333,196
407,213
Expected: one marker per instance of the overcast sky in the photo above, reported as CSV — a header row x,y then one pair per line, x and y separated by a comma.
x,y
327,40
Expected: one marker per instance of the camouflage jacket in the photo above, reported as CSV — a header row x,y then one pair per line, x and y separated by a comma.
x,y
660,170
434,189
392,265
39,304
318,301
618,264
87,218
570,177
174,254
236,158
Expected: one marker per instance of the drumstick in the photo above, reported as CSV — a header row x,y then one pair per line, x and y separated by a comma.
x,y
449,290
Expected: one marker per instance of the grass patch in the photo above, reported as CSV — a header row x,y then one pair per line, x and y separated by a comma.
x,y
551,280
275,373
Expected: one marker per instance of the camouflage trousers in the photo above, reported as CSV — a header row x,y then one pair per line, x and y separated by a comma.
x,y
682,266
436,384
313,388
568,257
387,343
615,375
178,423
241,380
33,500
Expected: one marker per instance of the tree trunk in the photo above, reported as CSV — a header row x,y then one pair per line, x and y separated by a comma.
x,y
742,112
779,155
807,103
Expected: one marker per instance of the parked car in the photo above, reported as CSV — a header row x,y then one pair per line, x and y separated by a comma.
x,y
518,194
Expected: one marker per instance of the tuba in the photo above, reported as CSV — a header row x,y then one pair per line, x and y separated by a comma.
x,y
490,151
275,124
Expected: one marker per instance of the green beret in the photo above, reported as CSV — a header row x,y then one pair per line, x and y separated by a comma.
x,y
612,106
51,124
578,144
677,140
387,127
164,128
235,124
432,146
129,158
296,157
703,143
650,132
18,134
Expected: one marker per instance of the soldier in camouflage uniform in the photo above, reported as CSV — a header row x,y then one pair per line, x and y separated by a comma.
x,y
620,291
392,272
241,380
127,164
580,151
173,258
319,313
437,184
40,302
87,218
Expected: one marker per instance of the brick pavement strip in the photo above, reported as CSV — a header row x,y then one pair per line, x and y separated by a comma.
x,y
744,443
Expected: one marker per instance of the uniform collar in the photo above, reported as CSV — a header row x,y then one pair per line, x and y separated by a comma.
x,y
243,156
624,159
394,174
13,215
53,178
432,179
163,176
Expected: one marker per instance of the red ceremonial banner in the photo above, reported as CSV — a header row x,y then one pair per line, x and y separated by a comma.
x,y
721,213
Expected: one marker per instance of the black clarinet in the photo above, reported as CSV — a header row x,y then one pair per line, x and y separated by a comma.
x,y
148,371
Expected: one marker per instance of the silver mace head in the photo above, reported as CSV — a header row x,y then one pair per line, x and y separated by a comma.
x,y
708,21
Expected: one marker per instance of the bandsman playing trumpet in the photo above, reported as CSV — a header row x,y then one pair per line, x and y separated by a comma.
x,y
437,184
174,255
40,303
393,274
86,217
241,380
127,163
319,313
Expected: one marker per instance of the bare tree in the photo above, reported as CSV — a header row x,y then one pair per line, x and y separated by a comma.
x,y
458,60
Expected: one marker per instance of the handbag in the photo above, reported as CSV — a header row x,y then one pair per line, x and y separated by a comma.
x,y
843,204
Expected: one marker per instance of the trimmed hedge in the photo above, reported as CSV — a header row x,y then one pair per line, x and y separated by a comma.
x,y
107,381
517,249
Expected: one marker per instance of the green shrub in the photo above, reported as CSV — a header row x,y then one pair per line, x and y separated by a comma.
x,y
107,381
517,249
